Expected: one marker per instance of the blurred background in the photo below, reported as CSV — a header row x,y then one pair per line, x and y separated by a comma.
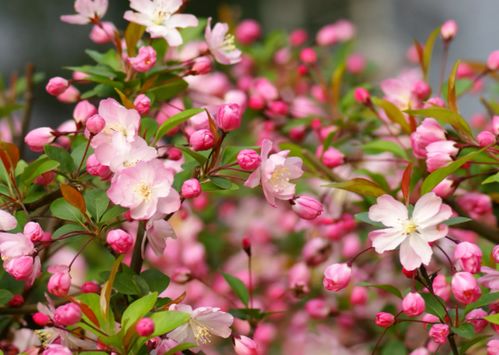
x,y
31,32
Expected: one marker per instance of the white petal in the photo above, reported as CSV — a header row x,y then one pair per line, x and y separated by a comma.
x,y
426,207
408,258
421,248
388,211
386,239
432,233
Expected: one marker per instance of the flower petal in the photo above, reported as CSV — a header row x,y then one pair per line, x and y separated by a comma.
x,y
388,211
386,239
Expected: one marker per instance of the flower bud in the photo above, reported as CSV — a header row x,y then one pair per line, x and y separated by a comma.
x,y
308,56
332,157
70,95
337,277
103,33
298,37
57,86
439,333
355,63
95,168
299,278
362,96
90,287
485,138
248,159
384,319
202,139
439,154
228,117
468,257
413,304
142,104
119,240
493,347
83,111
359,296
465,288
38,138
248,31
441,287
191,188
7,221
60,281
246,346
316,251
421,90
429,318
202,65
428,131
476,318
278,108
493,61
444,188
41,319
144,61
448,30
56,349
67,314
410,274
33,231
495,253
307,207
95,124
20,267
327,35
317,308
144,327
16,301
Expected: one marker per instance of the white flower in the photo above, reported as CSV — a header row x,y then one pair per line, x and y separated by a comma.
x,y
203,324
414,233
160,20
87,10
7,221
221,43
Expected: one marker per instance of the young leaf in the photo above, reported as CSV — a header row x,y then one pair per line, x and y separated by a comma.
x,y
9,153
393,113
456,220
176,120
433,306
360,186
74,197
124,100
133,33
37,168
105,295
427,52
451,88
238,287
166,321
137,310
406,180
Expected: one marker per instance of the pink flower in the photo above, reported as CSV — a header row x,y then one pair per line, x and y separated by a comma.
x,y
490,279
202,139
119,240
468,257
477,319
317,308
440,154
83,111
145,59
308,56
248,31
60,281
384,319
33,231
441,287
485,138
19,267
414,233
275,173
145,327
160,18
465,288
355,63
449,30
495,253
399,90
202,65
444,188
38,138
157,232
413,304
56,86
362,96
316,251
191,188
90,287
104,33
57,349
246,346
142,104
204,323
67,314
228,117
477,205
70,95
248,159
221,44
493,347
298,37
359,295
307,207
119,155
337,277
95,124
428,132
299,279
331,158
14,245
439,333
95,168
145,189
7,221
493,61
87,10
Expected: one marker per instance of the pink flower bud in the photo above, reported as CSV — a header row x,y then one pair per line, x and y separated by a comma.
x,y
332,157
429,318
278,108
413,304
440,154
69,96
228,117
79,76
33,231
465,288
248,31
144,61
67,314
337,277
464,71
20,267
421,90
441,287
248,159
119,240
493,347
56,349
493,61
299,278
448,30
384,319
308,56
359,296
57,86
142,104
476,319
444,188
38,138
60,281
202,65
95,168
103,34
16,301
307,207
41,319
495,253
468,257
362,96
202,139
145,327
298,37
90,287
428,132
327,35
95,124
485,138
191,188
256,102
246,346
83,110
355,63
439,333
317,308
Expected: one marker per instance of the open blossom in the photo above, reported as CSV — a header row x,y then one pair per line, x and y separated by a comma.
x,y
87,10
246,346
7,221
221,43
204,323
399,90
439,333
274,173
160,18
145,189
413,233
490,279
428,132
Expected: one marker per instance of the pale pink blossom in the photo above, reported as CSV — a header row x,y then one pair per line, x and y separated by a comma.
x,y
412,233
7,221
428,132
87,10
221,43
157,232
399,90
440,154
246,346
274,173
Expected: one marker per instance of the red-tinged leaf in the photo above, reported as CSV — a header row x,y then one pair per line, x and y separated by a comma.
x,y
336,87
124,100
393,113
420,52
213,126
360,186
175,301
428,51
451,89
133,33
74,197
406,181
9,153
87,311
105,295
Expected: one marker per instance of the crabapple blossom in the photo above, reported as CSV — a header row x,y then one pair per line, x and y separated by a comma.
x,y
56,86
67,314
103,33
384,319
142,104
448,30
221,43
468,257
145,59
86,12
413,304
228,117
465,287
248,159
246,346
119,240
362,96
191,188
493,61
439,333
337,277
95,124
39,138
307,207
485,138
145,327
83,111
60,281
7,221
476,318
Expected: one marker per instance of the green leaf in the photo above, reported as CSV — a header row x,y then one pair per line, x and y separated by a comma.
x,y
112,213
456,220
155,279
446,116
472,342
62,209
465,330
209,186
248,313
110,58
166,321
137,310
433,306
223,183
168,90
380,146
491,179
393,113
494,318
37,168
364,217
238,287
133,33
438,175
451,88
394,347
428,50
62,156
200,158
176,120
179,348
97,203
95,70
483,301
385,287
128,283
5,296
360,186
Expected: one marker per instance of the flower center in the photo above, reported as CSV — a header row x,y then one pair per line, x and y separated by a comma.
x,y
144,190
201,333
280,177
160,16
410,227
228,44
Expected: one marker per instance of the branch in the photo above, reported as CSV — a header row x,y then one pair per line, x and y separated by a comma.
x,y
44,200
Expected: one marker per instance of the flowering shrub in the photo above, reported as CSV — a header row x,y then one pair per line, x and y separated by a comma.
x,y
217,193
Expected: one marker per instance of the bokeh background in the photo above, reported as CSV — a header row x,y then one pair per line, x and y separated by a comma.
x,y
30,32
